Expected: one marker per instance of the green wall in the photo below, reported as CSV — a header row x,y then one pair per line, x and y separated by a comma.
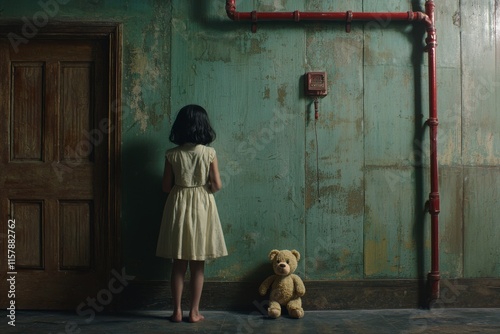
x,y
347,191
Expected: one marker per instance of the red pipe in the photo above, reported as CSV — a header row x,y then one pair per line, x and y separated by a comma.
x,y
429,19
323,16
298,16
432,122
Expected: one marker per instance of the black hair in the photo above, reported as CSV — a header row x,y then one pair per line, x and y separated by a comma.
x,y
192,126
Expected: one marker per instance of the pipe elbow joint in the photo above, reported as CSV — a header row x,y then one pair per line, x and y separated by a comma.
x,y
420,16
231,9
231,14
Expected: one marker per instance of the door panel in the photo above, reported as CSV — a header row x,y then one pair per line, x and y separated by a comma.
x,y
76,101
53,98
29,252
27,111
75,235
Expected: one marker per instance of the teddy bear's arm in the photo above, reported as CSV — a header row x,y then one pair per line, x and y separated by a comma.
x,y
266,284
299,285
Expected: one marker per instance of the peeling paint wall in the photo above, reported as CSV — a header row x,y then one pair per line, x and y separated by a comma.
x,y
347,191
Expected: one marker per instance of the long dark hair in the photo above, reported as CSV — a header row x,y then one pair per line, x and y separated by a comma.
x,y
192,126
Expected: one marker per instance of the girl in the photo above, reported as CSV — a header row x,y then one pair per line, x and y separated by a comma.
x,y
190,230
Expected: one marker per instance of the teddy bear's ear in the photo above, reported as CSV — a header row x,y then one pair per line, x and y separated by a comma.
x,y
296,253
273,254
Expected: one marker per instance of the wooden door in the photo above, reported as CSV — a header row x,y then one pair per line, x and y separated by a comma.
x,y
53,162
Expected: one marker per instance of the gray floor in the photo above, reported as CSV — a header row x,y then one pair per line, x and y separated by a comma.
x,y
445,321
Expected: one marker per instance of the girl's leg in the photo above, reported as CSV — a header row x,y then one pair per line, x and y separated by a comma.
x,y
196,269
177,284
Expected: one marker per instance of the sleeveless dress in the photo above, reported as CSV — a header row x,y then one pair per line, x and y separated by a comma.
x,y
190,227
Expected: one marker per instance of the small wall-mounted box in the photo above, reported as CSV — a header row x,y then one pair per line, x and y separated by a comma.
x,y
316,84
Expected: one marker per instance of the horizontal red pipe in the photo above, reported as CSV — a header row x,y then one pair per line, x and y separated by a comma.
x,y
297,16
325,16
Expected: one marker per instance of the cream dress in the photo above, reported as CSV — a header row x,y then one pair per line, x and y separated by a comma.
x,y
190,227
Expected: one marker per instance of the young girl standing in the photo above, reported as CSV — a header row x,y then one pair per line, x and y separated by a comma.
x,y
190,230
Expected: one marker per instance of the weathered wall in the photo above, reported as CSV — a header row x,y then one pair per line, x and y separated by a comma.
x,y
368,219
347,191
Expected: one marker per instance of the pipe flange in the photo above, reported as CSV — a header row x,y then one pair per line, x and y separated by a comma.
x,y
348,15
296,16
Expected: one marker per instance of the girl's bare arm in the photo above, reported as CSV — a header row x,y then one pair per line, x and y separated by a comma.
x,y
215,181
168,177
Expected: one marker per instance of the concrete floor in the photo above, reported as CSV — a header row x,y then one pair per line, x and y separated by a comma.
x,y
441,321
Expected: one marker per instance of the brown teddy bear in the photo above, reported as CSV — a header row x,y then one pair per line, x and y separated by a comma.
x,y
286,287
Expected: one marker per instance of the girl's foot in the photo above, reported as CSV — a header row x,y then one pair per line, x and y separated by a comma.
x,y
195,317
176,316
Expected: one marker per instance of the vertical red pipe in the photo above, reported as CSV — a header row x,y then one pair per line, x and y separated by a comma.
x,y
432,122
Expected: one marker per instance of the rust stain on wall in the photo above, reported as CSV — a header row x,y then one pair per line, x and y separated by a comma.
x,y
277,5
347,201
250,239
255,47
146,63
267,93
231,271
310,195
212,48
282,94
355,201
139,61
375,257
320,303
344,256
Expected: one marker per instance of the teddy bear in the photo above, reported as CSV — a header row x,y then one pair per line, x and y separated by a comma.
x,y
286,287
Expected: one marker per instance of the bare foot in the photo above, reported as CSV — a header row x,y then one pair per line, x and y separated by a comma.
x,y
176,316
195,317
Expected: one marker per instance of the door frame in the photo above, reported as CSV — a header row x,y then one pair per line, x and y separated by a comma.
x,y
112,33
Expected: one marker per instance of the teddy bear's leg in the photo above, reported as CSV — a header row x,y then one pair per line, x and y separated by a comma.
x,y
274,309
295,309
